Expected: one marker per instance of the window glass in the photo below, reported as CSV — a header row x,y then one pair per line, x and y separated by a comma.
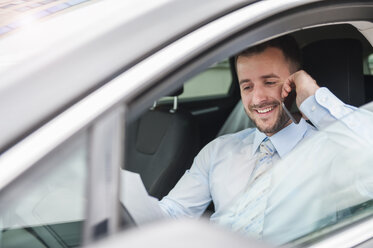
x,y
47,208
370,64
326,182
214,81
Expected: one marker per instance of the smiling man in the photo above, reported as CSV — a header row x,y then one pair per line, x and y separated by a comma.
x,y
234,170
261,84
264,77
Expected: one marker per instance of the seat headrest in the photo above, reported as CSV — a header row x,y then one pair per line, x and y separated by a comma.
x,y
177,92
338,65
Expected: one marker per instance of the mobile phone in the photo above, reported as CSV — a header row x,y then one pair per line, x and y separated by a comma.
x,y
287,104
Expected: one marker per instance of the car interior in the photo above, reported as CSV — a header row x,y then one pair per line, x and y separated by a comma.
x,y
166,136
335,56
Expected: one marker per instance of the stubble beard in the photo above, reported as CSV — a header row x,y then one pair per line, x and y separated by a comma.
x,y
282,120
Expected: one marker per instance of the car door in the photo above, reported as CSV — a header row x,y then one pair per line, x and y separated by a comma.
x,y
298,18
133,89
66,199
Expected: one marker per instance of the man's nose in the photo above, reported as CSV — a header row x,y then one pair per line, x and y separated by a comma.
x,y
259,95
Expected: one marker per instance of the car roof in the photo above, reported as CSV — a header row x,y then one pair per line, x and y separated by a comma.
x,y
42,65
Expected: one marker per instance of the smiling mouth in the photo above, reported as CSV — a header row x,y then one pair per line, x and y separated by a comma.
x,y
265,110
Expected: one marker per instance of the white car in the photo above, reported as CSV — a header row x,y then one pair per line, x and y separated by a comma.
x,y
91,87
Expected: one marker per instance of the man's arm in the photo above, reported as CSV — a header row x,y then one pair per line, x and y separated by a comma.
x,y
304,85
191,195
317,104
324,108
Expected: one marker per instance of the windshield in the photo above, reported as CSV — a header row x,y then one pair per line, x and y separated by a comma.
x,y
329,181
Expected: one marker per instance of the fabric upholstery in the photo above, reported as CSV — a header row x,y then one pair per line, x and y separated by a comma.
x,y
236,121
338,65
161,147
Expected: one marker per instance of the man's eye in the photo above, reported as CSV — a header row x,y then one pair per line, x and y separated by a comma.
x,y
246,87
270,83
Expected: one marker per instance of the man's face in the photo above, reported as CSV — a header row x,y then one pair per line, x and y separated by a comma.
x,y
261,77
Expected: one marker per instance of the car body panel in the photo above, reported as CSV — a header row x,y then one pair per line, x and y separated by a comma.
x,y
183,233
69,68
124,87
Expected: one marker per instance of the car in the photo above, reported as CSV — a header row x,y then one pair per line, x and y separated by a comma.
x,y
91,88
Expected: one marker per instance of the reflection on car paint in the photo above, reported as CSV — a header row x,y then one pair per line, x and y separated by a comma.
x,y
10,12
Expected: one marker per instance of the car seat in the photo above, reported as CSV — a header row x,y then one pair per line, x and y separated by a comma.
x,y
236,121
338,65
161,146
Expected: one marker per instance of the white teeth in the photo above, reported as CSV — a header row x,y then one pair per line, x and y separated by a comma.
x,y
262,111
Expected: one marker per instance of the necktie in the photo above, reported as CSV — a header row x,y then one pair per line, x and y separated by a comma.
x,y
247,214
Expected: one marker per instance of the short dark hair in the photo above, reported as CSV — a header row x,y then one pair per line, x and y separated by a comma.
x,y
287,44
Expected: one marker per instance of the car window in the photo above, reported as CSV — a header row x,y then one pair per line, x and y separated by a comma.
x,y
47,208
329,180
370,64
214,81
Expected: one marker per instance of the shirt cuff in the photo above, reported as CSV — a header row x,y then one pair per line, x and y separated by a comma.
x,y
324,108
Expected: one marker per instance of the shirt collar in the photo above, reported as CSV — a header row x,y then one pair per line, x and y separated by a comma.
x,y
285,140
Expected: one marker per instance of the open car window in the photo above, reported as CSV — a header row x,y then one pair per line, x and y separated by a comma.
x,y
329,181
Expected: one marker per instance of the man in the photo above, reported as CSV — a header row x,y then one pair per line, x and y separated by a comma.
x,y
227,170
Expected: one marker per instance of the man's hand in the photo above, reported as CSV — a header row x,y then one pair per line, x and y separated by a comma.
x,y
303,84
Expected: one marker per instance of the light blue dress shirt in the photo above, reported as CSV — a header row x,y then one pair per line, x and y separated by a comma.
x,y
221,171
